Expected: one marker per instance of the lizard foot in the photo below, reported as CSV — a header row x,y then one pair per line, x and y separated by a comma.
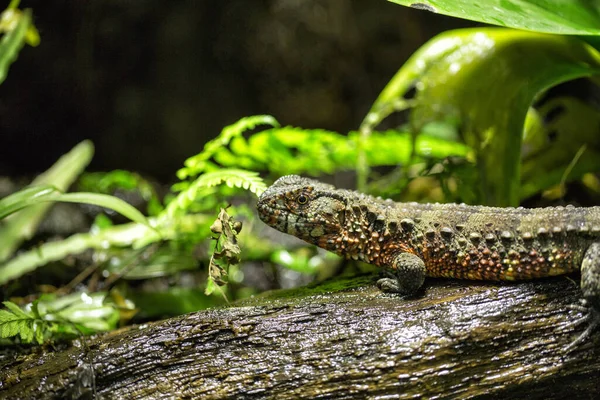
x,y
405,275
591,316
391,285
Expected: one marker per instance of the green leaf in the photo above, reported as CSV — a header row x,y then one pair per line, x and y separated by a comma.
x,y
24,198
291,150
248,180
6,316
108,182
16,310
39,333
10,18
26,331
22,226
210,287
200,162
15,37
572,124
88,310
103,200
14,321
118,236
485,79
59,316
35,310
41,194
9,329
572,17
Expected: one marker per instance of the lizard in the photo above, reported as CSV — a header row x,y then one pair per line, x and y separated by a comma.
x,y
412,241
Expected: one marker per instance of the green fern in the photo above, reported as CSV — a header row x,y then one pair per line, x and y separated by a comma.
x,y
291,150
59,317
201,162
16,322
248,180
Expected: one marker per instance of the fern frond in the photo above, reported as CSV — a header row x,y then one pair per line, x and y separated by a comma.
x,y
247,123
58,317
15,310
201,162
291,150
16,322
248,180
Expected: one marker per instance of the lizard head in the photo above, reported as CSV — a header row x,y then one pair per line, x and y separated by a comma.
x,y
305,208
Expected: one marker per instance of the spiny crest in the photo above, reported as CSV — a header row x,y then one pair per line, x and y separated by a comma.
x,y
291,180
295,181
292,185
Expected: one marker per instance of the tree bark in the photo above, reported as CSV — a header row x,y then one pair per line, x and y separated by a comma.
x,y
342,339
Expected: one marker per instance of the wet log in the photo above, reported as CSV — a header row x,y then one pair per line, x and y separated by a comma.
x,y
341,339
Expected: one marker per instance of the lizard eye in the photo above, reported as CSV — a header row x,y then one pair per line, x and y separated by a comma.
x,y
302,199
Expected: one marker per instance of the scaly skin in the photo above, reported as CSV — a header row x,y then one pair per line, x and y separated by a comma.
x,y
414,240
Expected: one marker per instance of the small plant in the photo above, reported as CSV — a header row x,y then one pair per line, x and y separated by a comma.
x,y
483,83
59,317
17,29
29,327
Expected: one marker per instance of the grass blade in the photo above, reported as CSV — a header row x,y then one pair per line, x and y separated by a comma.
x,y
22,225
24,198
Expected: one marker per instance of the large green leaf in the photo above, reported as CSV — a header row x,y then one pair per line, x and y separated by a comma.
x,y
123,235
91,312
485,80
572,17
569,138
24,198
43,194
22,225
14,39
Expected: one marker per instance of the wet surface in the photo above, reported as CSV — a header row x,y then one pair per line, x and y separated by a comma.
x,y
341,339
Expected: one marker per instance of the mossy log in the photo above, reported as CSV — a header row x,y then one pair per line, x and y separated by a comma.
x,y
342,339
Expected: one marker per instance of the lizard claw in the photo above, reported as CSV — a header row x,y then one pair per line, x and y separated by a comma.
x,y
388,285
591,315
387,282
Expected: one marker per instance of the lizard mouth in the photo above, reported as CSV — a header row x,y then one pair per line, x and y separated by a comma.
x,y
301,225
272,214
312,222
266,213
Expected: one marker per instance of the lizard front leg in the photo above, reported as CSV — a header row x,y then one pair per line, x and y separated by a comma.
x,y
590,287
408,274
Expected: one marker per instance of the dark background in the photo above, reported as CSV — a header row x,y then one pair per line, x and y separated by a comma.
x,y
149,82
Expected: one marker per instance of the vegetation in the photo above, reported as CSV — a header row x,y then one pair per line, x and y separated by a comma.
x,y
478,129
